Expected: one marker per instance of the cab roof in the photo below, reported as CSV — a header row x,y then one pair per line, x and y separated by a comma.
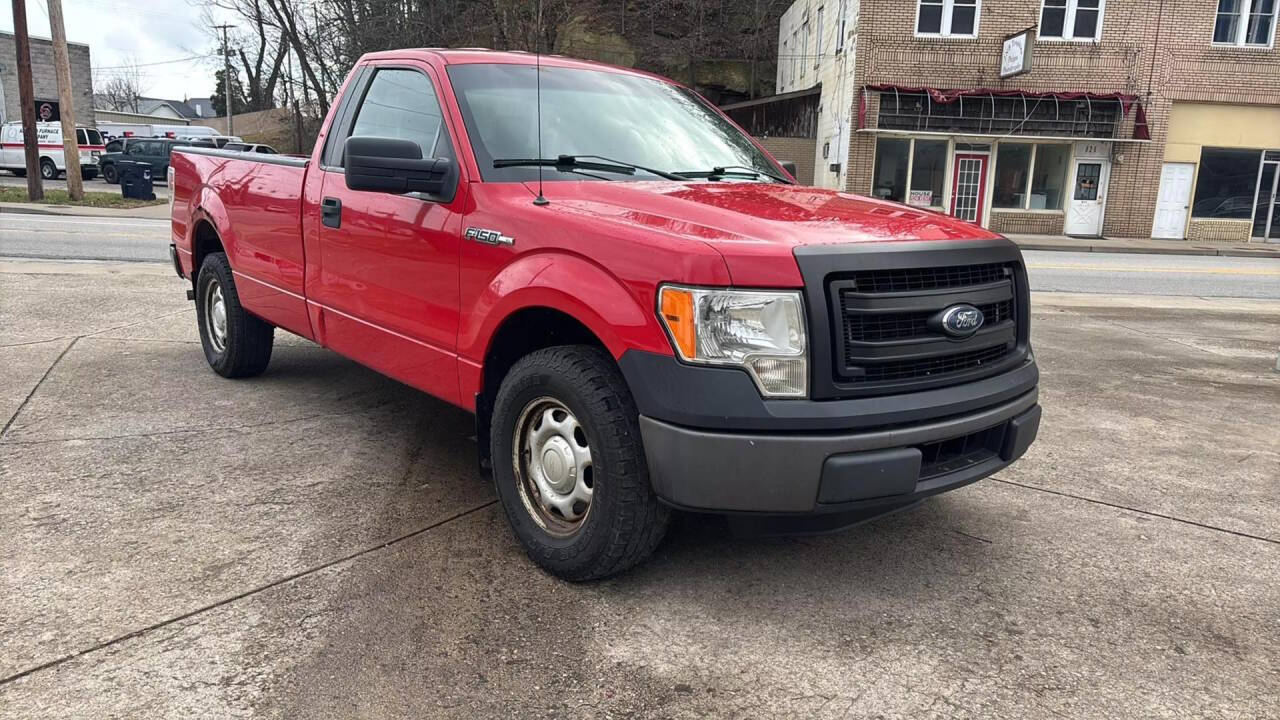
x,y
470,56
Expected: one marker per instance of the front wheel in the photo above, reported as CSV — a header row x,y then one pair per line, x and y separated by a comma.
x,y
48,170
569,465
109,174
236,344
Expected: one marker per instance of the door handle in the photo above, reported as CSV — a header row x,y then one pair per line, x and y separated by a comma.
x,y
331,212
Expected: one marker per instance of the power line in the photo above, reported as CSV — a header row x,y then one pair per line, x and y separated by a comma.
x,y
160,62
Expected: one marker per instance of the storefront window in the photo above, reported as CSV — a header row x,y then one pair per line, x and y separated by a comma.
x,y
1013,165
1226,183
889,181
1049,177
928,172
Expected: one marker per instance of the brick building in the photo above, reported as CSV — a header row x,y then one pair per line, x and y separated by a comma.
x,y
1136,118
44,80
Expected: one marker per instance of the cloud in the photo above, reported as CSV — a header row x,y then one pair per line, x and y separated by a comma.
x,y
119,32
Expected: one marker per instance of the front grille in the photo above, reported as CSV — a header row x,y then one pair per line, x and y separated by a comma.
x,y
908,279
881,372
948,456
894,326
888,335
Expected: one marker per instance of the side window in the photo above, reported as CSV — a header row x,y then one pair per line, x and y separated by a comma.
x,y
115,146
82,138
134,147
402,104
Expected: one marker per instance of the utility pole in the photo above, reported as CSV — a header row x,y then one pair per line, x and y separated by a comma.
x,y
27,96
61,59
226,74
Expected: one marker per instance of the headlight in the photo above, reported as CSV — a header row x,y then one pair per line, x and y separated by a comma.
x,y
759,330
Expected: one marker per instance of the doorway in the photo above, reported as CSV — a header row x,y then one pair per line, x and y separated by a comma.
x,y
969,187
1266,206
1088,197
1173,201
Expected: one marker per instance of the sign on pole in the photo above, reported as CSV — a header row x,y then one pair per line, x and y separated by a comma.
x,y
1015,56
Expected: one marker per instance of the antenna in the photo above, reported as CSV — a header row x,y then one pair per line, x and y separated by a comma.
x,y
537,70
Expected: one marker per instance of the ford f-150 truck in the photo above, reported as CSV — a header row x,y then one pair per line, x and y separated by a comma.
x,y
642,308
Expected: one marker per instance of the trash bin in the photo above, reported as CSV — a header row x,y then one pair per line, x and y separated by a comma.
x,y
135,180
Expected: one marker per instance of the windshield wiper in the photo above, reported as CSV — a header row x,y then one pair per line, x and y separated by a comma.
x,y
585,162
722,171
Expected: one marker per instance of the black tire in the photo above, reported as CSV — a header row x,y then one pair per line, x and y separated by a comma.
x,y
246,340
19,173
624,521
48,170
109,174
88,174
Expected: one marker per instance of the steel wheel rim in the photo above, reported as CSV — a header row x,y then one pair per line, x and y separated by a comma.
x,y
215,313
554,467
47,171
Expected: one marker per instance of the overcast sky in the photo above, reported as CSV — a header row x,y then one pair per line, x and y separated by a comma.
x,y
142,31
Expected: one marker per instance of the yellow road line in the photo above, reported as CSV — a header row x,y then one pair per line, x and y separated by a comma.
x,y
1198,271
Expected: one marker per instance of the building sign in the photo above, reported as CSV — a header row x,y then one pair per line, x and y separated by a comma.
x,y
1015,56
47,111
920,198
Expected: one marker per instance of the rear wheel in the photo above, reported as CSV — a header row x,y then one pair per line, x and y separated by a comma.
x,y
19,173
48,170
236,344
569,465
109,174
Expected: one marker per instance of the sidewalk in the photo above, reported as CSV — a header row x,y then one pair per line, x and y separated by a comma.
x,y
149,212
1145,246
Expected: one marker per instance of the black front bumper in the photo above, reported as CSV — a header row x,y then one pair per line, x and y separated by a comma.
x,y
723,471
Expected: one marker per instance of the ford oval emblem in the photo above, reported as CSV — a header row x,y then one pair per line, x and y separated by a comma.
x,y
961,321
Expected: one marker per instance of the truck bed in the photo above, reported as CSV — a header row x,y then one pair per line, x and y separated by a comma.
x,y
256,201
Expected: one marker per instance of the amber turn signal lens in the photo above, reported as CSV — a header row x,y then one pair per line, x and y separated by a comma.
x,y
676,308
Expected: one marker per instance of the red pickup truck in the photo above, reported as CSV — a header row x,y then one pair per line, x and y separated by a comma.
x,y
642,308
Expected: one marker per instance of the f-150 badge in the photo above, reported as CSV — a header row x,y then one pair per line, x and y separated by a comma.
x,y
489,237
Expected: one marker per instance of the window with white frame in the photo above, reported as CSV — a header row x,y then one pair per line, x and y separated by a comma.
x,y
804,48
1071,20
1245,23
840,25
817,43
947,18
1030,176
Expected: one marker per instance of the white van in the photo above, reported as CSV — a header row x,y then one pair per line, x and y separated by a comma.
x,y
52,161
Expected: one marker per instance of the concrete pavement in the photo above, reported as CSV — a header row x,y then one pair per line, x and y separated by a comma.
x,y
316,543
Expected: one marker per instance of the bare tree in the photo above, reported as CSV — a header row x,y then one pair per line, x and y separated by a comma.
x,y
118,88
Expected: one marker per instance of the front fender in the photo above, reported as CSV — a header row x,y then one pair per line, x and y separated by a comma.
x,y
573,285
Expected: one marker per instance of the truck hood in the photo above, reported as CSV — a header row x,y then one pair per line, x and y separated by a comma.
x,y
753,225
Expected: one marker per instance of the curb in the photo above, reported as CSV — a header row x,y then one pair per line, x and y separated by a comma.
x,y
59,211
1190,250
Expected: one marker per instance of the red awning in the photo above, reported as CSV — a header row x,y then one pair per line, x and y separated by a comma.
x,y
1141,131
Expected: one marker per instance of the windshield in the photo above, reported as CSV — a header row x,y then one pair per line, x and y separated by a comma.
x,y
623,117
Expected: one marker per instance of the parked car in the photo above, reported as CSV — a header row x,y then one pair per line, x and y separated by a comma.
x,y
664,319
52,155
153,151
251,148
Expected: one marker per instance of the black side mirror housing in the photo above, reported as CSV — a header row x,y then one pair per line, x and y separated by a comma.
x,y
790,167
392,165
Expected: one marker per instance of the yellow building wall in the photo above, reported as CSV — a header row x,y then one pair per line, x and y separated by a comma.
x,y
1195,125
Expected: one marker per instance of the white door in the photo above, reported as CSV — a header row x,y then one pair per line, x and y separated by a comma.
x,y
1088,197
1174,201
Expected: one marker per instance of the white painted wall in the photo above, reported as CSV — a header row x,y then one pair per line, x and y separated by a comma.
x,y
810,51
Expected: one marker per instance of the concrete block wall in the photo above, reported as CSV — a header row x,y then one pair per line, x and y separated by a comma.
x,y
798,150
43,77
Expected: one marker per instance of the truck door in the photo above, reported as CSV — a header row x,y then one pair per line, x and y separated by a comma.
x,y
387,288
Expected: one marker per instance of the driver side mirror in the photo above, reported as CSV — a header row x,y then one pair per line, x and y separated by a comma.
x,y
392,165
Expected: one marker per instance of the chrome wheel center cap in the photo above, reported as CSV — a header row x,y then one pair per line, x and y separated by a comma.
x,y
557,465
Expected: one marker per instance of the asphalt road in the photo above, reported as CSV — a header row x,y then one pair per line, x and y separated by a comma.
x,y
316,543
92,238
